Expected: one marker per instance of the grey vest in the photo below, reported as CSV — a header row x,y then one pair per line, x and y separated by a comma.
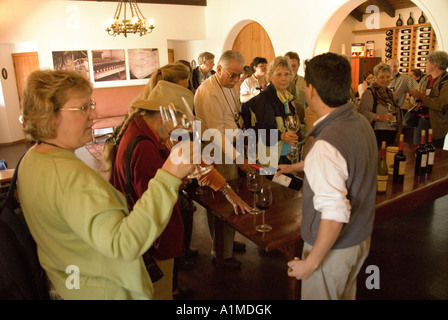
x,y
352,135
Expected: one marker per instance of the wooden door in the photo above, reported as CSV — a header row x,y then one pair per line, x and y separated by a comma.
x,y
170,55
253,41
24,64
359,67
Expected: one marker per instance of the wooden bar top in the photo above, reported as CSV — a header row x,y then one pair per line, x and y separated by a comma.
x,y
6,175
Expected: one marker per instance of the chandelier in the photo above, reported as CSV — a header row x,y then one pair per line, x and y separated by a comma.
x,y
137,23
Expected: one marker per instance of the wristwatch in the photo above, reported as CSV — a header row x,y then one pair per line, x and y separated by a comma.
x,y
225,189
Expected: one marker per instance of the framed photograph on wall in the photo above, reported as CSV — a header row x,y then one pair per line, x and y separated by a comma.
x,y
109,65
142,62
72,60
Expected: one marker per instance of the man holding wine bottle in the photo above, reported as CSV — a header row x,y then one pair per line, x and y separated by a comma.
x,y
432,98
339,187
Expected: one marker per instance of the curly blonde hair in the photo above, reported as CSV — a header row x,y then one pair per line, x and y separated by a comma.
x,y
46,91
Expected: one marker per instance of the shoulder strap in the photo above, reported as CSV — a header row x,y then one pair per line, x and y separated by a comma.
x,y
13,184
127,170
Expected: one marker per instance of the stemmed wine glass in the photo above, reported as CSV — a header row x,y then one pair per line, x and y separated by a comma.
x,y
254,182
263,199
292,122
293,153
175,119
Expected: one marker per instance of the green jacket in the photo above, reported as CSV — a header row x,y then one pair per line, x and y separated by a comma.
x,y
79,219
437,103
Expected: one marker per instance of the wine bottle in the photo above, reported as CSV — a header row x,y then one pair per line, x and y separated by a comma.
x,y
389,44
421,157
424,41
425,47
425,35
388,55
404,59
421,65
431,152
387,49
389,38
406,37
286,180
405,53
406,48
423,53
389,32
410,19
405,31
404,70
422,19
399,163
422,58
382,170
406,42
399,22
425,29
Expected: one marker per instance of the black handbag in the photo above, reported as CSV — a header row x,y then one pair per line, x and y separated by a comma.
x,y
410,119
153,269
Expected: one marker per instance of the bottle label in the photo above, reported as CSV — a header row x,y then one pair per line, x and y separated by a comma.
x,y
431,158
282,179
402,168
424,160
382,183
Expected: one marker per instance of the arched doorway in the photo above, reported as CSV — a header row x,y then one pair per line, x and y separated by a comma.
x,y
253,41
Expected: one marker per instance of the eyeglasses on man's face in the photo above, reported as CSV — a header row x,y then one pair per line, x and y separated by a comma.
x,y
232,75
90,106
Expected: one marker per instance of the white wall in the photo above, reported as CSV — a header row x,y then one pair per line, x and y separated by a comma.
x,y
307,27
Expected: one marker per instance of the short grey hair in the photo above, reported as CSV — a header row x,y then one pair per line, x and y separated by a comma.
x,y
204,57
439,58
381,67
228,56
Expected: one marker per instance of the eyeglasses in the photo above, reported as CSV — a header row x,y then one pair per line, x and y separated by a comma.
x,y
87,107
232,75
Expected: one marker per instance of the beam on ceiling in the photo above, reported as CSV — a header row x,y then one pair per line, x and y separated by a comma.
x,y
178,2
357,14
387,7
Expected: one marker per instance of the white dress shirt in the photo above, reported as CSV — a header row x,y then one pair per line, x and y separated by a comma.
x,y
327,174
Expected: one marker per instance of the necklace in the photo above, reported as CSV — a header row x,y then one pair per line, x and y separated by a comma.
x,y
49,143
236,115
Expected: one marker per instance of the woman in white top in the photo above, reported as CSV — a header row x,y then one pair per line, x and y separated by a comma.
x,y
368,79
254,84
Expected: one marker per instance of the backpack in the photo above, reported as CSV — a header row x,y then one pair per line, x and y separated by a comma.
x,y
21,275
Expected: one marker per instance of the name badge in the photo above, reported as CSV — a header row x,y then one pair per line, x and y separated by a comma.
x,y
428,91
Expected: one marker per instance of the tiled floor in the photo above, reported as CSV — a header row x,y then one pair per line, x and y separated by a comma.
x,y
410,251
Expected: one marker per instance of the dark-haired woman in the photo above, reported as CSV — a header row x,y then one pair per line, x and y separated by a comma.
x,y
254,84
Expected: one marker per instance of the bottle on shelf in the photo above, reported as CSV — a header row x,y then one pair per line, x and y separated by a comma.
x,y
423,53
404,70
405,53
421,65
424,41
382,174
424,47
406,42
421,157
405,31
422,58
422,18
431,152
425,35
425,29
399,22
389,38
388,55
404,59
406,48
286,180
410,19
404,64
388,49
399,163
406,37
389,32
389,44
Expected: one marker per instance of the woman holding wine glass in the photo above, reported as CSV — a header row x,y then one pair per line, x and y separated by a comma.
x,y
144,119
268,110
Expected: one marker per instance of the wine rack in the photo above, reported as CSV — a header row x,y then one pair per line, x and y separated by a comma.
x,y
410,45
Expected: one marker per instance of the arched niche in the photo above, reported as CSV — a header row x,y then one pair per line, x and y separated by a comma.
x,y
331,26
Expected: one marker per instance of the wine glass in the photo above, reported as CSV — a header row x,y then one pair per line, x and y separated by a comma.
x,y
263,199
254,182
293,153
175,119
292,122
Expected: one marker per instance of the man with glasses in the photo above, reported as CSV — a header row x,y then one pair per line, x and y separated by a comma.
x,y
204,70
217,104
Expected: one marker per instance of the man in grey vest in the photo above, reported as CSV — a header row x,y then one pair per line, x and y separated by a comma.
x,y
339,187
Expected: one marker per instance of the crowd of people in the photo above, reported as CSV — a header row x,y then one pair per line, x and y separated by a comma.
x,y
109,230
